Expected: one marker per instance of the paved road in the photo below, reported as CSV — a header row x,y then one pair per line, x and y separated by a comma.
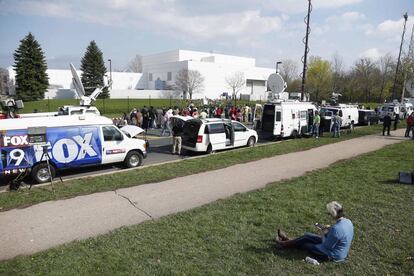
x,y
48,224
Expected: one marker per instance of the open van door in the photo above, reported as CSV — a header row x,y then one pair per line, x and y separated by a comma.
x,y
278,129
229,129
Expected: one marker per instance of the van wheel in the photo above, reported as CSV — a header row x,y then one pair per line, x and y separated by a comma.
x,y
133,159
209,149
40,173
295,134
251,142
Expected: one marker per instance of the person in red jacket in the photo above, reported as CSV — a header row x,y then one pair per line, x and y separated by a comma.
x,y
410,123
218,112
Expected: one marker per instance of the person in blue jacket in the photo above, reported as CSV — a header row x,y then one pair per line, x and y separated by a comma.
x,y
333,245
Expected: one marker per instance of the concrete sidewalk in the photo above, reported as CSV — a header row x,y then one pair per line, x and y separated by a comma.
x,y
39,227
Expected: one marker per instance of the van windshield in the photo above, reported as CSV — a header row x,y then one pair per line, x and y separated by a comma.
x,y
328,111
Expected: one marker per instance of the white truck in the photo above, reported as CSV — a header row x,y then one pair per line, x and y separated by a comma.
x,y
75,136
70,142
348,113
287,118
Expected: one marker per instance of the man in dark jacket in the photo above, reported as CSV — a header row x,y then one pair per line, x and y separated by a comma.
x,y
386,124
177,132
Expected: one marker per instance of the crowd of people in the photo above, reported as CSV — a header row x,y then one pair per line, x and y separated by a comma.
x,y
151,118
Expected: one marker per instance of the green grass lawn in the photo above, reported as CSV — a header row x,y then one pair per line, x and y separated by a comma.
x,y
236,235
25,197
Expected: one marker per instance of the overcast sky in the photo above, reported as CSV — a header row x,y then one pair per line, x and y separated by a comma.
x,y
266,30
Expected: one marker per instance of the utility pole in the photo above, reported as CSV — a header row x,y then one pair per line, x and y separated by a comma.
x,y
277,66
305,56
399,57
410,65
110,71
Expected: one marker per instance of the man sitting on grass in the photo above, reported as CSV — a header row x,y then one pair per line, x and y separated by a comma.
x,y
333,245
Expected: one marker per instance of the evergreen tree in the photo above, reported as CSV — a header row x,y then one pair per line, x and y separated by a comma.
x,y
30,67
93,70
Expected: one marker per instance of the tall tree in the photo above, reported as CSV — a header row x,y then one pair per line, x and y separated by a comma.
x,y
189,81
337,73
385,64
365,71
235,82
319,79
93,70
30,67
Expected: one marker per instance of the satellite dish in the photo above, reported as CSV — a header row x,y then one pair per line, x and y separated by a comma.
x,y
80,90
77,84
276,83
409,85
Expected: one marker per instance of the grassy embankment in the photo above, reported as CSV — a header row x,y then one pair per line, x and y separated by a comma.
x,y
235,236
25,197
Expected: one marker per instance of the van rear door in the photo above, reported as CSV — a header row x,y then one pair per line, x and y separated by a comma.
x,y
268,118
277,129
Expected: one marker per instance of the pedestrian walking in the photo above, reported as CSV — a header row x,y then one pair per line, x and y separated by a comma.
x,y
336,125
316,124
177,131
145,118
396,120
167,123
410,122
386,124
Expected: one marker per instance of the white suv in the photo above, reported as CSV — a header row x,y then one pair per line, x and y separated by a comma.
x,y
208,135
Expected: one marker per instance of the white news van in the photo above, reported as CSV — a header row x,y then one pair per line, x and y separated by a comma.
x,y
287,118
348,113
71,142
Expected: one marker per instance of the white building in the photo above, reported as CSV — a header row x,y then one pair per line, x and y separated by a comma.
x,y
215,68
160,70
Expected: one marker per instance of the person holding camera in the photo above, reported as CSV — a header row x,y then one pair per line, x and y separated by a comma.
x,y
333,243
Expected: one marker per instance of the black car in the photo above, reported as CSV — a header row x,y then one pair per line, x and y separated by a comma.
x,y
367,117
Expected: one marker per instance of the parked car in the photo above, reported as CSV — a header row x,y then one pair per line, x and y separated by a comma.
x,y
208,135
367,117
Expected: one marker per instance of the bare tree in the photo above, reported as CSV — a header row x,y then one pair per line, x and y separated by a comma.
x,y
385,64
4,81
189,81
135,65
365,74
337,73
235,82
289,70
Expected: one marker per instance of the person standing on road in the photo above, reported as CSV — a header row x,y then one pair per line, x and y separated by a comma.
x,y
145,118
410,122
316,124
203,115
386,124
177,131
167,122
336,125
396,121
